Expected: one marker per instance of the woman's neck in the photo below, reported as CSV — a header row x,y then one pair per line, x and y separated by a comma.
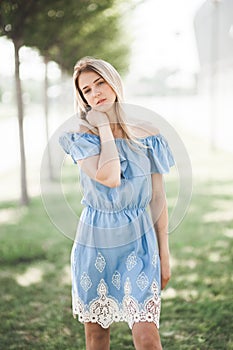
x,y
113,120
115,126
111,113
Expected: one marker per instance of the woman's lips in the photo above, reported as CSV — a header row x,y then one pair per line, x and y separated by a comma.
x,y
101,101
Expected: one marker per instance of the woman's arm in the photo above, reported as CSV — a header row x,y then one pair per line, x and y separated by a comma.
x,y
104,168
159,214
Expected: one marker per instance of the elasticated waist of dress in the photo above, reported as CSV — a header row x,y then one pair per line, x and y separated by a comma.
x,y
108,230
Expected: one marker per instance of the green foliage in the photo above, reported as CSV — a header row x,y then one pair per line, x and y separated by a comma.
x,y
65,31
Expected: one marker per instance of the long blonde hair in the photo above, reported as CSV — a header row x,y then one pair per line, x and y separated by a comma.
x,y
113,79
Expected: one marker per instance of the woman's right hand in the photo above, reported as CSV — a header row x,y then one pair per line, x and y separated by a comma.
x,y
96,118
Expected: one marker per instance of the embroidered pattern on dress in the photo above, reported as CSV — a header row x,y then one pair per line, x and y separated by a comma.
x,y
142,281
150,310
78,309
131,261
104,310
85,282
100,263
155,259
116,279
130,305
152,305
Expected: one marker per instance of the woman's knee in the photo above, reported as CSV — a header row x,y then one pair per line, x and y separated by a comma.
x,y
148,341
96,336
146,336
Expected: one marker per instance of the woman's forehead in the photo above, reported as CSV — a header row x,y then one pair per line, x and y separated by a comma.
x,y
87,78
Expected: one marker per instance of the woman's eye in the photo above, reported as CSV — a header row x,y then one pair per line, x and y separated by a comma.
x,y
86,91
100,82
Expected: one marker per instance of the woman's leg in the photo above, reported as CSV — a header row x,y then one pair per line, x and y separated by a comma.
x,y
97,337
146,336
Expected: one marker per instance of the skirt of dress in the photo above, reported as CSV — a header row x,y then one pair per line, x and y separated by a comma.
x,y
118,283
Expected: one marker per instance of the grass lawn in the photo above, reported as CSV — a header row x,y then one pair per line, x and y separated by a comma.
x,y
197,305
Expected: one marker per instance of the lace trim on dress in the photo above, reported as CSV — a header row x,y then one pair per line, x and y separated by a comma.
x,y
105,310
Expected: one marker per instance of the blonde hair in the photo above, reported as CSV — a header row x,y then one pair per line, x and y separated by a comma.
x,y
113,79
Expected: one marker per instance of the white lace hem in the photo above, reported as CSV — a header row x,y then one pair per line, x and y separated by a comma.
x,y
142,317
105,310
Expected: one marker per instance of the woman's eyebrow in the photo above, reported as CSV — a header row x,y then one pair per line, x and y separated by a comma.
x,y
92,82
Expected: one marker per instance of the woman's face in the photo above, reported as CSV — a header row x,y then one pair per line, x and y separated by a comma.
x,y
96,91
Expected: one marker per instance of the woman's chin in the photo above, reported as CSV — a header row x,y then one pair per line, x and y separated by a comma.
x,y
104,107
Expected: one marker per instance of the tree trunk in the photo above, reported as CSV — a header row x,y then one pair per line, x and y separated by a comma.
x,y
46,111
24,200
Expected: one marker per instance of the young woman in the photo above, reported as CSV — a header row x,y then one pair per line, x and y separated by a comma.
x,y
120,257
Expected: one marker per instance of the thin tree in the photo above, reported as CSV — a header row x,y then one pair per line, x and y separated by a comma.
x,y
62,31
13,17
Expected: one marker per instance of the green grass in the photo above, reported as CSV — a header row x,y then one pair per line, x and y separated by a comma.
x,y
197,304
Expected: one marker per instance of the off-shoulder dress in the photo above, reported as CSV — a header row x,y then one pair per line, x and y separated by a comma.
x,y
115,263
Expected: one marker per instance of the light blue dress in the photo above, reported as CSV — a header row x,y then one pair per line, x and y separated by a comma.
x,y
114,260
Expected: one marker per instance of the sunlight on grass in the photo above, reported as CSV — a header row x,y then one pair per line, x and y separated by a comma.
x,y
214,257
188,249
223,211
12,215
180,336
222,189
169,293
228,233
223,204
173,261
31,276
168,334
66,275
191,263
221,244
192,277
186,294
218,215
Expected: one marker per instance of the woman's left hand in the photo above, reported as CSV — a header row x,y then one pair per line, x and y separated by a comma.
x,y
165,270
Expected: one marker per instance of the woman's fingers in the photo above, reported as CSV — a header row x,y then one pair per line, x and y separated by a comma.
x,y
165,272
97,118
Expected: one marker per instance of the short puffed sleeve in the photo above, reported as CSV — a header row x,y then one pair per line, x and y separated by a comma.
x,y
80,145
159,153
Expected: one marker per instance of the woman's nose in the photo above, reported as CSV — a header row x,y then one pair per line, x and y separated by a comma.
x,y
96,92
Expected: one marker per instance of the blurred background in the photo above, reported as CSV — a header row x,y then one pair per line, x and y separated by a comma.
x,y
176,58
